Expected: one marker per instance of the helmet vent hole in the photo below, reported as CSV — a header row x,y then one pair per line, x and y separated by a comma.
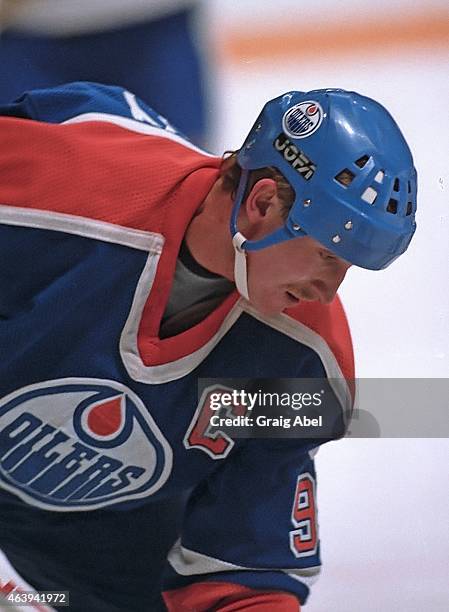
x,y
409,209
362,161
396,184
369,195
392,206
345,177
379,176
409,187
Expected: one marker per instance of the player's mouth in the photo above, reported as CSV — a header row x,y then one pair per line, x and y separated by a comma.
x,y
292,298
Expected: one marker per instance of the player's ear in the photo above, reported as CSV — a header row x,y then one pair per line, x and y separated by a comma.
x,y
262,202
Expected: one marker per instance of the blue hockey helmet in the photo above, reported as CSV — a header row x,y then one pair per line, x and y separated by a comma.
x,y
350,168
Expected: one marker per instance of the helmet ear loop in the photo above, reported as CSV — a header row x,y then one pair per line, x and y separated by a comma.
x,y
238,240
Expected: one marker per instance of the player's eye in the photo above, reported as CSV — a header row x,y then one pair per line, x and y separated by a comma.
x,y
327,256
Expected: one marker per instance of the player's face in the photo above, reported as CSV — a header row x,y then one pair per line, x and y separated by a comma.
x,y
281,276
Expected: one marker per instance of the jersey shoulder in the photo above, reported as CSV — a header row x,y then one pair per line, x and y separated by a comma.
x,y
97,152
62,103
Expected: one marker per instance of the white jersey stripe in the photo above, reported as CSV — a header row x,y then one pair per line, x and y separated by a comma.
x,y
187,562
137,126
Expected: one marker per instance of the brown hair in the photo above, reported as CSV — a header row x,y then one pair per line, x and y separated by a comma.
x,y
230,171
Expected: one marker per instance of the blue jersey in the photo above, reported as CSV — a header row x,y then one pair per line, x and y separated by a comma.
x,y
112,485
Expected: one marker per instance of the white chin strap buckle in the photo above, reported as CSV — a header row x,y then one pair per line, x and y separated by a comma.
x,y
240,268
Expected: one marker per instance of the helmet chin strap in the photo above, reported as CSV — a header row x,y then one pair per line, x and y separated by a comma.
x,y
238,239
240,267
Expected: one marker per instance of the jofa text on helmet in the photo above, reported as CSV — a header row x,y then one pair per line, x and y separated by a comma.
x,y
295,157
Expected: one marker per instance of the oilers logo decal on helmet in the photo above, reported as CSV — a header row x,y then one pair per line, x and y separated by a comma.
x,y
303,119
80,444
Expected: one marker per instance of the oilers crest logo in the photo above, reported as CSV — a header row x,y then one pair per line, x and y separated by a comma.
x,y
80,444
303,119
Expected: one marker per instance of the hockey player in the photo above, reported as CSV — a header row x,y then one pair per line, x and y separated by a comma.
x,y
121,285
